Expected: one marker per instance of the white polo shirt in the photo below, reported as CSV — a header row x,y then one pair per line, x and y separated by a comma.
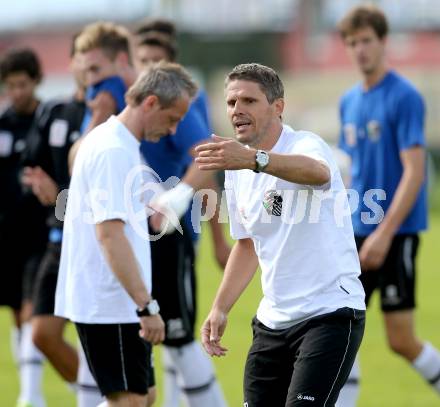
x,y
302,235
103,187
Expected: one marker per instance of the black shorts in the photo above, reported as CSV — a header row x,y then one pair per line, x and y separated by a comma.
x,y
118,358
46,281
174,286
305,365
11,270
20,263
396,277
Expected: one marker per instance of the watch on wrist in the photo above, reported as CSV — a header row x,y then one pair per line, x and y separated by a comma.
x,y
261,160
150,308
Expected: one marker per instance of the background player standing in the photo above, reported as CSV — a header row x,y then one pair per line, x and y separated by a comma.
x,y
23,230
382,130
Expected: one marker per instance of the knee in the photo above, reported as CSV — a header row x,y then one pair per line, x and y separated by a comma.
x,y
42,339
151,396
137,400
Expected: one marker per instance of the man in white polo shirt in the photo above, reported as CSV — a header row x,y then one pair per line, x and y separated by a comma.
x,y
104,281
289,213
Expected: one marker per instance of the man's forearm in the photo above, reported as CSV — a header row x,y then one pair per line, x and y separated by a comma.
x,y
198,179
122,261
402,203
298,169
240,269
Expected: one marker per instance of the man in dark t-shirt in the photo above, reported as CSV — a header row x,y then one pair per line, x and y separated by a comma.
x,y
23,231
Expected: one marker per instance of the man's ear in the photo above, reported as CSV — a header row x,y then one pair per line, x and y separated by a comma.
x,y
279,106
150,102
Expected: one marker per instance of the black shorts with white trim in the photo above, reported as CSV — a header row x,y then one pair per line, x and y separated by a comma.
x,y
174,286
396,277
304,365
118,358
46,281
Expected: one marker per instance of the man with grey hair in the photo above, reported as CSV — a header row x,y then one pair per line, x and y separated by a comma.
x,y
104,281
310,322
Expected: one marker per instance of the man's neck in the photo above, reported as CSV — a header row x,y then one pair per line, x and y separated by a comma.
x,y
128,119
374,77
272,137
30,107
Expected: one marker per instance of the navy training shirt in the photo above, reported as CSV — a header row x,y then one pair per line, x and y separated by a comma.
x,y
376,126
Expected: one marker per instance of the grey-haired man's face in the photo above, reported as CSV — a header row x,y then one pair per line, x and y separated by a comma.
x,y
164,121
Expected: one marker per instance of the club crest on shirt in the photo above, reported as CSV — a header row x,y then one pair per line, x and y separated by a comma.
x,y
350,134
19,146
273,202
373,129
6,142
58,133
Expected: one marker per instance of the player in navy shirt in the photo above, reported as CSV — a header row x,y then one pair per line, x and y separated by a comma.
x,y
47,174
377,124
382,130
187,368
23,231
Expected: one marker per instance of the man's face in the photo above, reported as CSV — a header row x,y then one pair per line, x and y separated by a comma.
x,y
249,111
146,54
366,49
97,66
164,121
20,88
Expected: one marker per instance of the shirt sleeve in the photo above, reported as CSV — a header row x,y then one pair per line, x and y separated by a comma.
x,y
410,119
237,229
311,147
109,193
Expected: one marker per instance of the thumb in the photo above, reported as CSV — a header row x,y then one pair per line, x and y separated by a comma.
x,y
213,337
218,139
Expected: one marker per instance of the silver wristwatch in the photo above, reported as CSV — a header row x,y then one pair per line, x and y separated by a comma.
x,y
151,308
261,160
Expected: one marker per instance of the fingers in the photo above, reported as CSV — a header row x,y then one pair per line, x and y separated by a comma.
x,y
208,146
208,167
211,153
152,329
211,340
219,139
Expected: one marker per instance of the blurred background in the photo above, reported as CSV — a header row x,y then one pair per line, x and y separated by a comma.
x,y
299,39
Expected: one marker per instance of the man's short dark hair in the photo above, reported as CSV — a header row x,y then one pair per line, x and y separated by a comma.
x,y
158,25
155,39
362,17
20,60
268,80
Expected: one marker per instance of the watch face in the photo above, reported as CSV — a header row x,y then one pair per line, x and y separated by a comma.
x,y
153,307
262,159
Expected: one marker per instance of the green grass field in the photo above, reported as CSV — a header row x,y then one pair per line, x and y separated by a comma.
x,y
387,381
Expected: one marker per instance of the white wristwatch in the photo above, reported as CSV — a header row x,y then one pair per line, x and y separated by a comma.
x,y
151,308
261,160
